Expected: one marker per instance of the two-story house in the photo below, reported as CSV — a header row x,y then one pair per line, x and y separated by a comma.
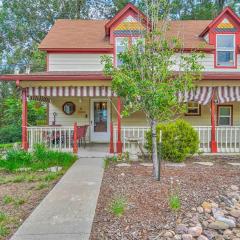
x,y
76,90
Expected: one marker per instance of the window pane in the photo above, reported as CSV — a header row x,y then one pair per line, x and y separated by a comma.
x,y
225,111
121,44
225,58
224,121
225,41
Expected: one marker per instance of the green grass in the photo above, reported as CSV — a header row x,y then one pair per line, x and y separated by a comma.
x,y
174,202
40,159
118,206
109,160
3,230
3,217
19,201
7,199
42,185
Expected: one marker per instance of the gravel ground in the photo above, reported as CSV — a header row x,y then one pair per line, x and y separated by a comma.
x,y
18,200
148,211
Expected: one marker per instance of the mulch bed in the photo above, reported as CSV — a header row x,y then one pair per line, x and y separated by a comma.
x,y
148,212
29,196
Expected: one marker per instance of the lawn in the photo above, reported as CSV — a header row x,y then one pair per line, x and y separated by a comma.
x,y
25,179
132,205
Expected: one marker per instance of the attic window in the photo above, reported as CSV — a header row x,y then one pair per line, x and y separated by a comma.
x,y
225,56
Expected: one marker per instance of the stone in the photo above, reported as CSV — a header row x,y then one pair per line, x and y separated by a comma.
x,y
181,229
234,164
54,169
235,213
210,234
209,164
207,207
146,164
177,237
217,225
202,237
195,231
169,234
200,209
175,164
230,222
227,232
234,187
123,165
187,237
122,174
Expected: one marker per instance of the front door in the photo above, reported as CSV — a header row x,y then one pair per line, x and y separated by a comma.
x,y
100,120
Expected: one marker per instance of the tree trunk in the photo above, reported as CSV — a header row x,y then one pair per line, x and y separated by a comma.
x,y
154,149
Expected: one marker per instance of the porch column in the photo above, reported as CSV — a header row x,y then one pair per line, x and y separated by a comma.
x,y
75,138
24,119
119,141
213,125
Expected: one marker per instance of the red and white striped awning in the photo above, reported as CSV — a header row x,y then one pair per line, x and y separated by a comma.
x,y
202,95
84,91
228,94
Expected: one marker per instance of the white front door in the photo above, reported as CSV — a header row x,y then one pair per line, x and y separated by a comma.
x,y
100,120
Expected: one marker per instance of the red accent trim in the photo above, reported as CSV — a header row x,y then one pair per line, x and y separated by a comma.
x,y
77,50
225,105
75,139
116,18
96,77
24,119
111,145
213,130
226,10
119,141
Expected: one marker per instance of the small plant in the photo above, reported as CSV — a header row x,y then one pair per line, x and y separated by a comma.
x,y
109,160
3,231
7,199
118,206
41,186
18,179
3,217
174,199
174,203
19,201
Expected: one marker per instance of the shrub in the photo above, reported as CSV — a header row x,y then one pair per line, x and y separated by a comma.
x,y
10,134
179,139
108,160
118,206
174,202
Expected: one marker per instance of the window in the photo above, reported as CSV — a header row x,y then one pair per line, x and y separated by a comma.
x,y
224,115
121,44
69,108
225,56
193,109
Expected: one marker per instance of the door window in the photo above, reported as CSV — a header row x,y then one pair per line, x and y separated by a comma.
x,y
100,117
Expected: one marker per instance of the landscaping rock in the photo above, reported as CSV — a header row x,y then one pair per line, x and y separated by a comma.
x,y
146,164
123,165
195,231
187,237
217,225
234,187
54,169
181,229
204,163
202,237
235,213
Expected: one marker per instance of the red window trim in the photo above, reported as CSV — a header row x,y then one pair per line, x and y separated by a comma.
x,y
224,105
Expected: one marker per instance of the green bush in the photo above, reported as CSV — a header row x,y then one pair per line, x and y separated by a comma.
x,y
179,139
10,134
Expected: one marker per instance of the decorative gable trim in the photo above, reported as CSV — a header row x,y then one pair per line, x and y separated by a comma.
x,y
225,26
228,11
120,14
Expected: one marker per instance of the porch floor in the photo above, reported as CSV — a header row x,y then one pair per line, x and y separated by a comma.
x,y
94,150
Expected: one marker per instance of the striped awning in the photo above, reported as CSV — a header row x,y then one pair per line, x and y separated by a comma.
x,y
228,94
84,91
202,95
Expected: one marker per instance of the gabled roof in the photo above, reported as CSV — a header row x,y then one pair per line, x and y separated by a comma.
x,y
116,18
76,34
227,10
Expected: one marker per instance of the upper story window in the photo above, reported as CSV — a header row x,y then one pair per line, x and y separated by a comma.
x,y
121,44
225,50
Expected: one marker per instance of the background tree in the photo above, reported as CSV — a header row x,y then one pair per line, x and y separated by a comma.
x,y
145,80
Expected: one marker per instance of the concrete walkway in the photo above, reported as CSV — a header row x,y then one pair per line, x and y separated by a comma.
x,y
68,210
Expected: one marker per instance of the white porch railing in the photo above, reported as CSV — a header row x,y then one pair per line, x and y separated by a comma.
x,y
58,138
204,135
228,139
128,133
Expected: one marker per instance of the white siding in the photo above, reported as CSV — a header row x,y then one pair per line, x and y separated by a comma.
x,y
75,62
208,63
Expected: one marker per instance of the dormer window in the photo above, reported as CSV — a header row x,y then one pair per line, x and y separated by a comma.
x,y
225,50
121,44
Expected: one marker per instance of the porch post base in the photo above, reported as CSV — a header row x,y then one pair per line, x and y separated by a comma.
x,y
119,147
213,146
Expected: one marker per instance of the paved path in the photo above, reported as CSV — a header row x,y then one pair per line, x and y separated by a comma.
x,y
68,210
